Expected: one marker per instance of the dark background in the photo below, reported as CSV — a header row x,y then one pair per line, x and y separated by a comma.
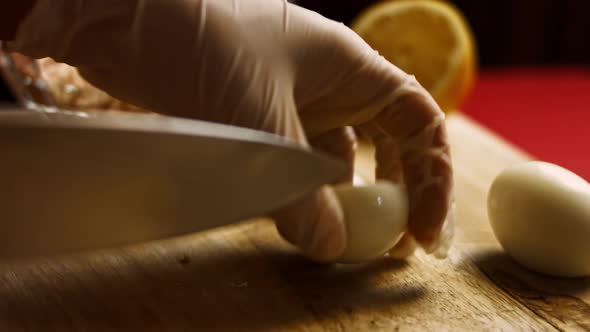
x,y
519,32
5,96
508,33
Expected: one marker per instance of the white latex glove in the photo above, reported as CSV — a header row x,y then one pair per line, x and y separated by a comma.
x,y
268,65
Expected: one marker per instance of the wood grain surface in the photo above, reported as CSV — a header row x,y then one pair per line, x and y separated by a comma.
x,y
246,278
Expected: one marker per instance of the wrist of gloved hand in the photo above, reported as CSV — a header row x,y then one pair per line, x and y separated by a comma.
x,y
106,40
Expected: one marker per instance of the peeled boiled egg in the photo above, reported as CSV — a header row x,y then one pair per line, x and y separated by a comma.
x,y
376,216
540,214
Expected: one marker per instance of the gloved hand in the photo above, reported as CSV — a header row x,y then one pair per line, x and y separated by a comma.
x,y
268,65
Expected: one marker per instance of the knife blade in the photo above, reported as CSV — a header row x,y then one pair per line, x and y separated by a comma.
x,y
73,181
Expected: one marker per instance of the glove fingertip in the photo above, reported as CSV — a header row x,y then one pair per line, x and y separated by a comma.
x,y
315,225
404,248
441,246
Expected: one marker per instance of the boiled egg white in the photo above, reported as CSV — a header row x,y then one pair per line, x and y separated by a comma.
x,y
376,217
540,214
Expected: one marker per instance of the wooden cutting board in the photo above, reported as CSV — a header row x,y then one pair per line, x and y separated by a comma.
x,y
246,278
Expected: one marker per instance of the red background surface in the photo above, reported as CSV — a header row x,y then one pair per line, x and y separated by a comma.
x,y
546,112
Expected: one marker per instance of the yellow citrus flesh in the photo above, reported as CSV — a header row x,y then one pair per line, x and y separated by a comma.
x,y
426,38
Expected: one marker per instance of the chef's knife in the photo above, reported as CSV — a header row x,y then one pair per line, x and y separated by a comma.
x,y
73,181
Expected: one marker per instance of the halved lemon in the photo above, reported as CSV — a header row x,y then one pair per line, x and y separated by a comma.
x,y
429,39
